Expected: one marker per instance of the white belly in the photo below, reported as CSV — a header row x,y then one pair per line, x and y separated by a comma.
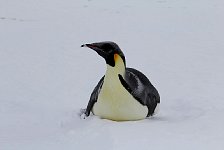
x,y
116,103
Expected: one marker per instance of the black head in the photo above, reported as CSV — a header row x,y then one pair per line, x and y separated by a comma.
x,y
107,50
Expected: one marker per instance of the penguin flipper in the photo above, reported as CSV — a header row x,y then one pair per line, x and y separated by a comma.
x,y
94,97
141,89
131,90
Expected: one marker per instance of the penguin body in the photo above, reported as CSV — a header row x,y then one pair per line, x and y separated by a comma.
x,y
114,101
123,94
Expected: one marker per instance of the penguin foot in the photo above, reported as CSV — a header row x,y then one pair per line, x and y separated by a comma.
x,y
82,114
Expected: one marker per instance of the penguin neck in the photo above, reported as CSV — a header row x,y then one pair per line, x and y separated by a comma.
x,y
119,68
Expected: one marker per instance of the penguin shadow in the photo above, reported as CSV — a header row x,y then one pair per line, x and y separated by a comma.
x,y
154,118
172,114
158,118
78,114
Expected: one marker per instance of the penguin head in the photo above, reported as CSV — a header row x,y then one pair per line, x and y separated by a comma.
x,y
108,50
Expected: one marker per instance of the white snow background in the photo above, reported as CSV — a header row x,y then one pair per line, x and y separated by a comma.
x,y
46,77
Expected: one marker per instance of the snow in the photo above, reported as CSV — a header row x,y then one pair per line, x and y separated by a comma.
x,y
46,77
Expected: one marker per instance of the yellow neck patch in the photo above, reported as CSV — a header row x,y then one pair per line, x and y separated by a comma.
x,y
118,59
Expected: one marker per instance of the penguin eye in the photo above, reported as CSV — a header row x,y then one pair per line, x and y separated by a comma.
x,y
108,50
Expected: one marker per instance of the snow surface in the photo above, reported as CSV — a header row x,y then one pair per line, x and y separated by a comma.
x,y
46,77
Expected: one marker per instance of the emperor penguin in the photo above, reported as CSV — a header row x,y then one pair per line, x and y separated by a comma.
x,y
122,94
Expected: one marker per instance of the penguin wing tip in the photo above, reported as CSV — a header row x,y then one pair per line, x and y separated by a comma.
x,y
82,114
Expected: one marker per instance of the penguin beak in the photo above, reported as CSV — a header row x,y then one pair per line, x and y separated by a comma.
x,y
96,47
